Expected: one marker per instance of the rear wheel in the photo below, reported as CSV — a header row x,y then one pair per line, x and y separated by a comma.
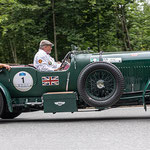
x,y
10,115
1,104
4,112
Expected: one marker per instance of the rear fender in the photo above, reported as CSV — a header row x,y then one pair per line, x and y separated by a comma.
x,y
7,96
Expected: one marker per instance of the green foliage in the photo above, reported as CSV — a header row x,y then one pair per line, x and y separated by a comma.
x,y
112,25
22,26
139,18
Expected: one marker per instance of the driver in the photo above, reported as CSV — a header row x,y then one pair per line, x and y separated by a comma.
x,y
43,61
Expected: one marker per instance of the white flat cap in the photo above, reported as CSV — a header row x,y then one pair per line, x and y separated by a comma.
x,y
45,42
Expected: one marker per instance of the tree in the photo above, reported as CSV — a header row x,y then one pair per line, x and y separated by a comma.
x,y
23,24
139,14
111,25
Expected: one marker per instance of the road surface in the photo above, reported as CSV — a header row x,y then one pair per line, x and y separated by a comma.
x,y
113,129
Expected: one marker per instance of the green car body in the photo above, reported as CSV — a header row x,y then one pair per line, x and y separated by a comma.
x,y
96,80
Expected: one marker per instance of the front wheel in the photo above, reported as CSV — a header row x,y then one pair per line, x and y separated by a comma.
x,y
100,84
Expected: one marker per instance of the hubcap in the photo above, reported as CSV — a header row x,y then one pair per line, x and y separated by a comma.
x,y
100,84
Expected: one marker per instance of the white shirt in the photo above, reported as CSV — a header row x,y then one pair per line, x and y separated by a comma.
x,y
44,62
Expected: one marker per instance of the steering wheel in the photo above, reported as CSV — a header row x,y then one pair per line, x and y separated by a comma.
x,y
64,61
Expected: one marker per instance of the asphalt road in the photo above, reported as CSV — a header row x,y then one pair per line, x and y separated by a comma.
x,y
114,129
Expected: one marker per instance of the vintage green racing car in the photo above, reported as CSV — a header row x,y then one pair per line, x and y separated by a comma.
x,y
91,80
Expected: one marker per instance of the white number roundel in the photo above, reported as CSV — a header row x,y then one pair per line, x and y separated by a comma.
x,y
23,81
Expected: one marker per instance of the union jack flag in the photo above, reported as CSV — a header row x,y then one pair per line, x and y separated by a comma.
x,y
50,80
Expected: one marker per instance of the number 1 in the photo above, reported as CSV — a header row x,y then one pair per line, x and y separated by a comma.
x,y
22,79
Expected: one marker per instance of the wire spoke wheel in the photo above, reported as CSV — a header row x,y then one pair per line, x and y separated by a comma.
x,y
100,84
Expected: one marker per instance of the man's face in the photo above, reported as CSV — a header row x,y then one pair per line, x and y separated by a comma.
x,y
48,49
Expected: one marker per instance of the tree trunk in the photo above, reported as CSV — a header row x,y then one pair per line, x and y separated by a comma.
x,y
13,50
125,27
98,27
54,26
122,18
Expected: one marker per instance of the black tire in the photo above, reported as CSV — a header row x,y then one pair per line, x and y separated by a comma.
x,y
1,104
100,84
4,112
10,115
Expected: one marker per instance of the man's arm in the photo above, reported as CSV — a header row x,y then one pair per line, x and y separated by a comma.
x,y
5,66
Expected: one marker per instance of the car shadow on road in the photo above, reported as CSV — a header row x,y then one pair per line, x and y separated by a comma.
x,y
75,119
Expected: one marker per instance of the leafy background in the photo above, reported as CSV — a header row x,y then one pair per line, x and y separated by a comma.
x,y
107,25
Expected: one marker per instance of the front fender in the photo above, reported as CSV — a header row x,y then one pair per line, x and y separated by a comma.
x,y
7,96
